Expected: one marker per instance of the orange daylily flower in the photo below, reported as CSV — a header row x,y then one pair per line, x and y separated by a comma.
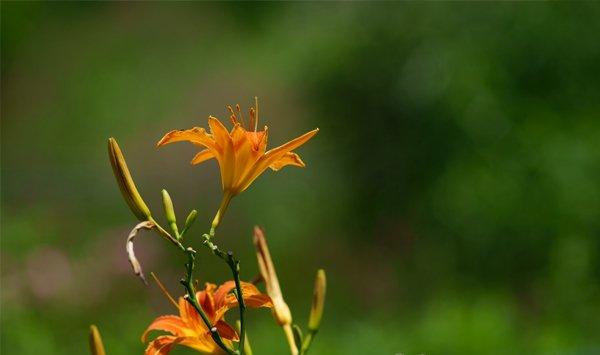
x,y
241,153
189,330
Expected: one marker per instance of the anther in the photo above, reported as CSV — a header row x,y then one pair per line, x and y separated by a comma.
x,y
232,112
239,113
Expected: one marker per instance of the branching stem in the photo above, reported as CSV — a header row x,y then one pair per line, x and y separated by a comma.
x,y
234,265
188,283
163,233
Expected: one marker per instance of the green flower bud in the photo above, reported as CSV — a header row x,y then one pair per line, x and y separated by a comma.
x,y
96,346
125,181
169,211
318,302
189,221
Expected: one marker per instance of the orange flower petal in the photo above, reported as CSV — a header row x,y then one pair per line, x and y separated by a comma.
x,y
194,135
203,156
259,140
226,331
161,345
225,300
206,300
171,324
272,156
222,291
258,301
203,344
288,158
227,158
190,316
164,344
278,152
219,132
252,297
245,154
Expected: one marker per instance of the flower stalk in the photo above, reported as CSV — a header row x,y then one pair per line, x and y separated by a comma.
x,y
227,196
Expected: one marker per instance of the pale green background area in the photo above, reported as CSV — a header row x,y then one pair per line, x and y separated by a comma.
x,y
452,194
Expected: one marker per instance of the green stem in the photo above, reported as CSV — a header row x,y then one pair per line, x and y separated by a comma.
x,y
235,269
308,340
163,233
234,265
247,347
191,298
220,212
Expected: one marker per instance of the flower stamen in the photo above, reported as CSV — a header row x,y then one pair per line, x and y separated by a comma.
x,y
233,117
252,118
237,107
256,106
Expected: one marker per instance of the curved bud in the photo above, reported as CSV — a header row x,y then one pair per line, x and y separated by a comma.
x,y
318,302
96,346
125,181
169,211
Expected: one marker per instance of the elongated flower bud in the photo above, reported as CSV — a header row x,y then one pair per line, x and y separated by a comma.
x,y
168,205
96,346
190,219
318,302
169,211
125,181
281,311
188,222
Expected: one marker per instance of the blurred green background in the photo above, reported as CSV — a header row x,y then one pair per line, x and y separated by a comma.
x,y
452,193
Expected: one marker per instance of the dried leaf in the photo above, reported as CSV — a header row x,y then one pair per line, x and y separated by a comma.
x,y
137,268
